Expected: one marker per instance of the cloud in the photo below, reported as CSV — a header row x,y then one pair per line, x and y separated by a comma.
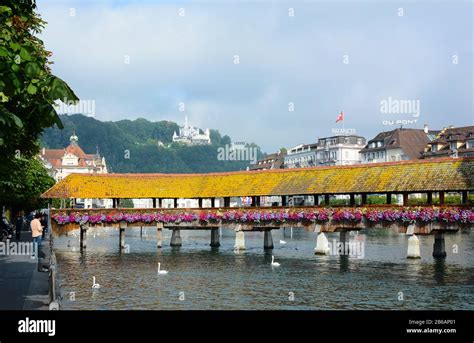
x,y
282,59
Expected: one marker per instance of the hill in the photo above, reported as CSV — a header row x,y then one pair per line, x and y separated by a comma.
x,y
132,146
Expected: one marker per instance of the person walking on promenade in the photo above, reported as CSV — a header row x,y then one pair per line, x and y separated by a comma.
x,y
19,222
44,224
37,231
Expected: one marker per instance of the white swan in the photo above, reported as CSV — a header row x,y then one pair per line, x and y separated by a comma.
x,y
282,241
274,264
94,284
161,272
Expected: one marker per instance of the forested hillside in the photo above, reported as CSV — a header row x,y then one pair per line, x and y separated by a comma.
x,y
133,146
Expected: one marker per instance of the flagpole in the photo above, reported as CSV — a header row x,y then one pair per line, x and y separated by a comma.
x,y
343,123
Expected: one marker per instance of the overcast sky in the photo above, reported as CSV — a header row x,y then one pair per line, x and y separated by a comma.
x,y
143,58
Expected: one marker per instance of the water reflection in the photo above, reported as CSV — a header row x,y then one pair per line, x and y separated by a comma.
x,y
219,278
439,270
344,263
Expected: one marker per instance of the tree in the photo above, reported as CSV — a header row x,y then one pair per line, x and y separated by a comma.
x,y
23,182
126,203
28,90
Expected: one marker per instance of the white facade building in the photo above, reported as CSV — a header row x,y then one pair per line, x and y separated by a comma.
x,y
328,151
339,150
72,159
301,156
191,135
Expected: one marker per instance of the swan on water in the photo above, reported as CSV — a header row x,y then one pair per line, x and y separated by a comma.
x,y
274,264
94,284
161,272
282,241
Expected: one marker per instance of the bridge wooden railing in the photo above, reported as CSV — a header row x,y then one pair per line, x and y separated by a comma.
x,y
424,218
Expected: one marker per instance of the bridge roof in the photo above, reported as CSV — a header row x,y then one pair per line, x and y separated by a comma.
x,y
441,174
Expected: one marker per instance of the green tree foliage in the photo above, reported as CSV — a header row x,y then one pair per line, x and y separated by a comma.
x,y
28,90
22,184
126,203
140,139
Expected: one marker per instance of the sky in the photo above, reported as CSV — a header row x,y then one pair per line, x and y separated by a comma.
x,y
277,73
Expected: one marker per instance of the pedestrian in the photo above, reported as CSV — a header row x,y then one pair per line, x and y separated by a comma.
x,y
20,220
44,224
6,227
37,231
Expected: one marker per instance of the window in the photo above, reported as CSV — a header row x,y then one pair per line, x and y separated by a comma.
x,y
453,145
434,148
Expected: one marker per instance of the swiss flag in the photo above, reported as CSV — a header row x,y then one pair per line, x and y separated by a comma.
x,y
340,117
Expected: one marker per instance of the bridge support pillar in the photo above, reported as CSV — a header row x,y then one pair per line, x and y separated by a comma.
x,y
176,238
439,250
405,199
322,245
267,239
344,241
326,199
83,237
215,241
239,240
388,198
441,198
413,247
351,199
159,235
429,198
123,225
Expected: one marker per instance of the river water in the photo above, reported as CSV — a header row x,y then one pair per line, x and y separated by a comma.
x,y
204,278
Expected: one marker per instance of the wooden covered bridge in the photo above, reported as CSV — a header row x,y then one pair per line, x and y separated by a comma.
x,y
434,177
